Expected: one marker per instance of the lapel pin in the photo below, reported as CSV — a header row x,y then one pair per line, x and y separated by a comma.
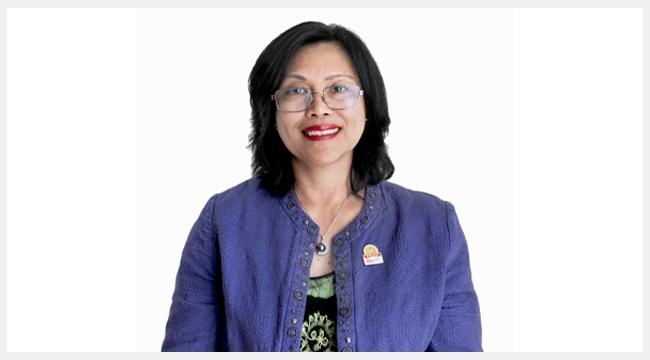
x,y
371,255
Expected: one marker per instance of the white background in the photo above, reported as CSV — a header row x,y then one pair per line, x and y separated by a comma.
x,y
533,131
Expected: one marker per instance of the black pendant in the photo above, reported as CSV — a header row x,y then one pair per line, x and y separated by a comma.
x,y
321,248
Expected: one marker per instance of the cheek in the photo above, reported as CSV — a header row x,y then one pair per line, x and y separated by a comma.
x,y
285,131
357,125
284,135
358,130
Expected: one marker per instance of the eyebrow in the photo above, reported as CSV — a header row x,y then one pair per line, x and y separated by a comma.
x,y
330,77
339,75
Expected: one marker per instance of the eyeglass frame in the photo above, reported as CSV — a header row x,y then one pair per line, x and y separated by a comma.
x,y
311,98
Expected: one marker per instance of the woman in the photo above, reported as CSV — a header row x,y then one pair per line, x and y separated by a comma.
x,y
318,252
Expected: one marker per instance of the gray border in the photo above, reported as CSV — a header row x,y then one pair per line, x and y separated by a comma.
x,y
646,176
3,177
325,4
296,3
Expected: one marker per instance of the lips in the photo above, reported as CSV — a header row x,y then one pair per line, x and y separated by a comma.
x,y
321,132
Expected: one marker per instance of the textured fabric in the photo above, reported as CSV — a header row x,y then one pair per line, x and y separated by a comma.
x,y
319,325
243,278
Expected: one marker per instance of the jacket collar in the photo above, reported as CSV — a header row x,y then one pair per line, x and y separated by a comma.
x,y
371,204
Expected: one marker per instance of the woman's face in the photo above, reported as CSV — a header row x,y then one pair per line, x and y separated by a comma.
x,y
319,135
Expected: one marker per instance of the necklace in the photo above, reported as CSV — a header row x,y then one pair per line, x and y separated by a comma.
x,y
321,247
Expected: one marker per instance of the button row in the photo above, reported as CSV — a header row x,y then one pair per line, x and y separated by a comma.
x,y
342,276
344,296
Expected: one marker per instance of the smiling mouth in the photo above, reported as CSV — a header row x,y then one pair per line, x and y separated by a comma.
x,y
321,134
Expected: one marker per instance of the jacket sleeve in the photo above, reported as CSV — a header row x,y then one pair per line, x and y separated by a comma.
x,y
459,324
193,317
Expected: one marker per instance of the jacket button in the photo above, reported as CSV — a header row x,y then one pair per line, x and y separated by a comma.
x,y
344,311
343,275
348,339
298,294
347,233
306,222
304,262
292,332
294,320
291,205
364,218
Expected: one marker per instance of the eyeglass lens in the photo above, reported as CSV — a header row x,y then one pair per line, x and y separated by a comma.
x,y
336,97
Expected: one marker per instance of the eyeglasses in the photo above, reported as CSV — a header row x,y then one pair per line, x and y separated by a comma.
x,y
336,97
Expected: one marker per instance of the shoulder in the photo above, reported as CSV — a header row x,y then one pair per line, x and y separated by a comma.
x,y
422,212
250,187
412,201
245,194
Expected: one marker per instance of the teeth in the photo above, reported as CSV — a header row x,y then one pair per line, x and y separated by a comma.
x,y
323,132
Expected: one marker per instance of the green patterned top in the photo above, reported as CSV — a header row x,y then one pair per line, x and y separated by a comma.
x,y
319,325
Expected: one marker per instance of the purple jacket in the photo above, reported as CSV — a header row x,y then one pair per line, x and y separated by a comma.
x,y
243,275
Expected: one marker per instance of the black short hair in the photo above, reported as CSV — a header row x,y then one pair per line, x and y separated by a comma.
x,y
271,159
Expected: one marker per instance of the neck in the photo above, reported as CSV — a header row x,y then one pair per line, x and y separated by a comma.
x,y
322,186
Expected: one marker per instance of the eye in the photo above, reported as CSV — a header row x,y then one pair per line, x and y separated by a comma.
x,y
294,90
339,89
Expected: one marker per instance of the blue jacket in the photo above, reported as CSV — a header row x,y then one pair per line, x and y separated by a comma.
x,y
243,275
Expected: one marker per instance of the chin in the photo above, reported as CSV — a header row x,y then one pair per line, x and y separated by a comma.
x,y
327,159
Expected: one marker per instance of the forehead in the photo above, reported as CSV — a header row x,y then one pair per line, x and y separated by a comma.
x,y
321,59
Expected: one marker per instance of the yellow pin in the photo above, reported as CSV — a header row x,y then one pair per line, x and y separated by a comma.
x,y
372,255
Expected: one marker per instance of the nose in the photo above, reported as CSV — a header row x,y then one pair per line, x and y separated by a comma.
x,y
318,107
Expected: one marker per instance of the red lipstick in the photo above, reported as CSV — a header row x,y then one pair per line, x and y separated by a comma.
x,y
321,132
